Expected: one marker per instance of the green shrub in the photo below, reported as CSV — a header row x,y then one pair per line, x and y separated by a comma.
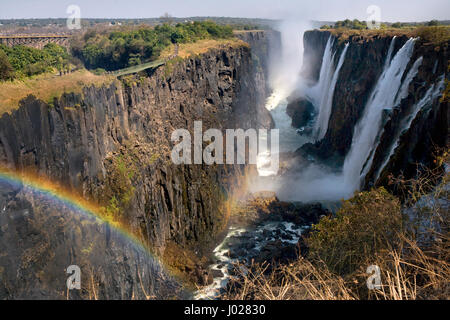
x,y
99,71
120,189
27,61
364,226
349,24
36,68
6,69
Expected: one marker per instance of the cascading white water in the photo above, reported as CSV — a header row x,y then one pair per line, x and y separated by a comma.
x,y
368,128
387,62
290,140
403,93
316,182
322,93
284,79
315,93
432,93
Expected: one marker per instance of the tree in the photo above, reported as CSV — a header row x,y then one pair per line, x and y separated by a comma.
x,y
433,23
6,70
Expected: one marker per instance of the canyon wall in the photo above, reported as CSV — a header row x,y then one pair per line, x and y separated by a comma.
x,y
112,145
360,72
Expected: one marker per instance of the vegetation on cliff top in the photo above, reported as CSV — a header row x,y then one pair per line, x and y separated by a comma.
x,y
25,70
186,50
46,87
24,61
130,46
429,33
362,25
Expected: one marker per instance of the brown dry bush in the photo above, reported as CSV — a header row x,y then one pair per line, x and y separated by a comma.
x,y
406,273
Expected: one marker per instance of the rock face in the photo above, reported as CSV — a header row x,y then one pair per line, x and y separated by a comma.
x,y
41,238
301,111
266,46
112,145
428,133
314,46
358,76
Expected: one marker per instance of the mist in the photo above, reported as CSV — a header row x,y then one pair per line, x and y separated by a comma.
x,y
284,72
311,182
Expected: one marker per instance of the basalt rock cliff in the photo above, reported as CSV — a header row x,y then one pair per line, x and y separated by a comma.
x,y
112,145
361,69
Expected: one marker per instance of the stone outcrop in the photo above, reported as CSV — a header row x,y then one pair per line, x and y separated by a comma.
x,y
301,112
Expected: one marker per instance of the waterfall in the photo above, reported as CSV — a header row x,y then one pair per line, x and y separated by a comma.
x,y
432,93
368,128
321,126
403,93
387,62
315,93
284,79
322,93
314,181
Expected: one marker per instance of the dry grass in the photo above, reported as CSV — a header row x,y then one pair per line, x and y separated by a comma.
x,y
46,86
406,274
301,280
435,35
344,33
187,50
413,272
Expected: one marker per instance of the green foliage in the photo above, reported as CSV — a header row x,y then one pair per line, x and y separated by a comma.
x,y
365,225
120,188
397,25
129,47
27,61
99,71
433,23
6,69
351,24
112,211
170,65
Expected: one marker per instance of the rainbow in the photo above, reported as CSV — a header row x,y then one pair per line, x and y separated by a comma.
x,y
76,203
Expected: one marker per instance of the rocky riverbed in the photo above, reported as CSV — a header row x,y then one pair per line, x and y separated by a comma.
x,y
263,229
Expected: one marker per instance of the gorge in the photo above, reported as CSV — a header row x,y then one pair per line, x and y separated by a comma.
x,y
361,108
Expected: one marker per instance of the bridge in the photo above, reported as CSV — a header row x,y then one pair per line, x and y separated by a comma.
x,y
35,41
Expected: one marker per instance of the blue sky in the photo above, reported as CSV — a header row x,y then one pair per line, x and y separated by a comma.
x,y
391,10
